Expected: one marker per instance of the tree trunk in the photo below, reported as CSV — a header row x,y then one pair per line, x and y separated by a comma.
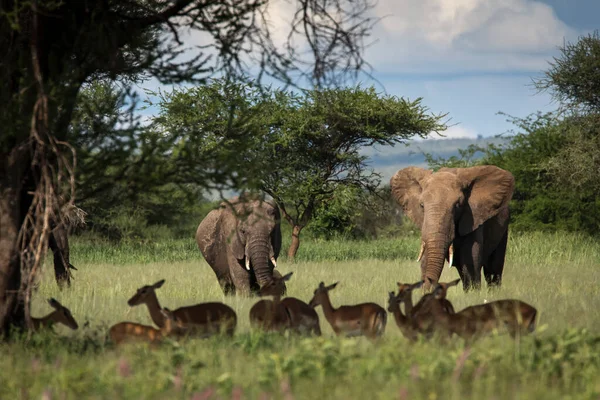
x,y
295,242
12,205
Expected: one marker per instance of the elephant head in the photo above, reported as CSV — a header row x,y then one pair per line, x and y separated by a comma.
x,y
447,204
256,240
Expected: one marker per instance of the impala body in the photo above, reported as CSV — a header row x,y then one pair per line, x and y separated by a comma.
x,y
366,319
204,320
132,331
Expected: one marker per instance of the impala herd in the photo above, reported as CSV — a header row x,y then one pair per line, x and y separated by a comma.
x,y
433,315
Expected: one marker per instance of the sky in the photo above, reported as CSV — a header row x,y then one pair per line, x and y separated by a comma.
x,y
468,58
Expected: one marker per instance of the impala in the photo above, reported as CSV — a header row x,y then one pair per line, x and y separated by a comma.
x,y
368,319
60,315
271,315
515,316
204,319
131,331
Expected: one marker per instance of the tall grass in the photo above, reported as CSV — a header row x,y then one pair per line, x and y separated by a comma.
x,y
559,274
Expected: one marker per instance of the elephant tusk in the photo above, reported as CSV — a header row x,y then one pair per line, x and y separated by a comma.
x,y
450,255
421,251
274,261
248,263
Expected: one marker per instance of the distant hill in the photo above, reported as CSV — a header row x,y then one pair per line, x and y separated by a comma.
x,y
388,160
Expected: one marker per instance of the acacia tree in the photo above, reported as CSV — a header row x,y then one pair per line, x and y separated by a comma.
x,y
573,80
50,49
315,146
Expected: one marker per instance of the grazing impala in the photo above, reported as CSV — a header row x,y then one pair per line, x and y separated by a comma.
x,y
203,319
60,315
271,315
472,322
366,319
131,331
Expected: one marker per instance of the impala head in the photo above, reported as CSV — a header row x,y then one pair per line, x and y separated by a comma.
x,y
441,288
63,315
405,289
275,286
321,294
257,224
144,293
449,203
393,302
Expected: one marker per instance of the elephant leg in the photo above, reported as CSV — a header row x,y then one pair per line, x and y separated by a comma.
x,y
227,286
494,265
466,276
240,278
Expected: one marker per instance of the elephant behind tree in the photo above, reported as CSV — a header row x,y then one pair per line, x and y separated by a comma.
x,y
241,241
463,216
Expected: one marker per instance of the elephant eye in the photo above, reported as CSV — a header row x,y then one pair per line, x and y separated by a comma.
x,y
421,205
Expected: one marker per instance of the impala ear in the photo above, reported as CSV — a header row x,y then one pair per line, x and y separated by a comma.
x,y
332,286
321,285
287,277
54,303
453,283
417,285
158,284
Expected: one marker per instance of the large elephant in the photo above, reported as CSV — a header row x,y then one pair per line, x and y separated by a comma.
x,y
463,215
241,241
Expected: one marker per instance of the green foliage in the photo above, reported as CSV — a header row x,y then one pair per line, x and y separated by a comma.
x,y
318,139
469,157
574,77
125,184
354,213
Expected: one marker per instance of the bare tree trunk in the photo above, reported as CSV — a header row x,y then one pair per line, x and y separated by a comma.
x,y
295,242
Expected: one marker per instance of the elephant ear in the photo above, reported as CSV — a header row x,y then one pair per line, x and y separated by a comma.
x,y
489,191
407,185
233,209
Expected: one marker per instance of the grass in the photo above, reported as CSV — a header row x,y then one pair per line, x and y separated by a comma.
x,y
559,274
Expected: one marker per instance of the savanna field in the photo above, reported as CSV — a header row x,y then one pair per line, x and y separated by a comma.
x,y
557,273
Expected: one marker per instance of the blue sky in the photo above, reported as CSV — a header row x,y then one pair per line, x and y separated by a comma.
x,y
468,58
474,58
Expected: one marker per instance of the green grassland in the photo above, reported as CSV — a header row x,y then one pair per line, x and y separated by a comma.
x,y
557,273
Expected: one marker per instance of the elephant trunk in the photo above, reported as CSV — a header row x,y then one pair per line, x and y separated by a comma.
x,y
433,260
258,253
436,244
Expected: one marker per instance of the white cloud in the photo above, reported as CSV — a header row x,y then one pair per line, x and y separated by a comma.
x,y
430,36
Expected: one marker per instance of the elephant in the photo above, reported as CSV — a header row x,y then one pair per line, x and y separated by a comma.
x,y
463,216
241,241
